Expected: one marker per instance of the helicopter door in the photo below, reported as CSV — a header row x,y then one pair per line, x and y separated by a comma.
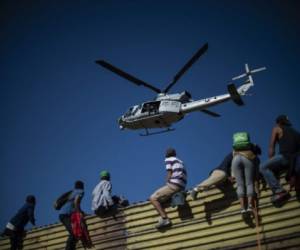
x,y
170,106
151,108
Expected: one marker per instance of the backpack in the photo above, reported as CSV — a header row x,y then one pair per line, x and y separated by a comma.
x,y
62,200
178,199
241,141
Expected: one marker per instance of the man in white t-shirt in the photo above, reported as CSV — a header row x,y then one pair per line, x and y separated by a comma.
x,y
176,181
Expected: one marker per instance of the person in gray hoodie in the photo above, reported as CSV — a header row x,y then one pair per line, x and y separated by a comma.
x,y
102,200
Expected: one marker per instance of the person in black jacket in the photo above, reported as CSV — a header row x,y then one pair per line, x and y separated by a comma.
x,y
15,227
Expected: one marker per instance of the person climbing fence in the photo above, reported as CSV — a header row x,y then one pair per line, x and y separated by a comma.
x,y
70,203
244,164
15,227
218,175
288,158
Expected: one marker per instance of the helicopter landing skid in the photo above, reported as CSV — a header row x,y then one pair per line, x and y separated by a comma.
x,y
158,132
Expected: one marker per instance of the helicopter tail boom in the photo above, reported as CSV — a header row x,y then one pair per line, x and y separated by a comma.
x,y
235,94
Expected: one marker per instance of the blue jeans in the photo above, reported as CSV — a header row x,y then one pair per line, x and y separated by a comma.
x,y
276,163
243,170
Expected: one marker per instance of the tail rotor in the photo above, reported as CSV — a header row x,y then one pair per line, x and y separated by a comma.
x,y
236,93
249,74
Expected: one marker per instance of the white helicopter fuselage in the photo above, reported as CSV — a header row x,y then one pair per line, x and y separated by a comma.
x,y
156,114
164,111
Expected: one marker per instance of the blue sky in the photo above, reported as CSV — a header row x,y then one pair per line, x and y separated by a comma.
x,y
59,109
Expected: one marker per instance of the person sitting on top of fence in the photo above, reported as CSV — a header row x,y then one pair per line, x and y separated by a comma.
x,y
176,181
103,201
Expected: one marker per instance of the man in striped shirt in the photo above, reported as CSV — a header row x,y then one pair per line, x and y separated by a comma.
x,y
176,181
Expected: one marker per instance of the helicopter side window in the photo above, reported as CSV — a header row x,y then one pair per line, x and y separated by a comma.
x,y
155,107
151,107
145,108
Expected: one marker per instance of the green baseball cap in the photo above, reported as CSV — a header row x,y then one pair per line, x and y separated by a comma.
x,y
104,173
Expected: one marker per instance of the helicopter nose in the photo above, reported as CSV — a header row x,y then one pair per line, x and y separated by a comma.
x,y
121,121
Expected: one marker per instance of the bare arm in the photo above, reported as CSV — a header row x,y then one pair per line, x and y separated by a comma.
x,y
273,141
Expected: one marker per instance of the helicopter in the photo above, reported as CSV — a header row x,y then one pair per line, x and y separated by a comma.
x,y
166,108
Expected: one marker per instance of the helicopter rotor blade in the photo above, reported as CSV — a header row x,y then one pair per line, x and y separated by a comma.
x,y
239,77
248,73
126,75
195,57
258,70
208,112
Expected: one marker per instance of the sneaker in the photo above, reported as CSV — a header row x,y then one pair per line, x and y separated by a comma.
x,y
194,194
243,211
163,223
249,209
280,196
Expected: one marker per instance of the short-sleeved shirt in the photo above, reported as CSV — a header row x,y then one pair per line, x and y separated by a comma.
x,y
179,175
226,164
69,207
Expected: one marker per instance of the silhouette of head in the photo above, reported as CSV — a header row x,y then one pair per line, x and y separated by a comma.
x,y
283,120
170,152
79,185
31,199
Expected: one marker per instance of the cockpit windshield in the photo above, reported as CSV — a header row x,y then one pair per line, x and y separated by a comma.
x,y
128,112
132,111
